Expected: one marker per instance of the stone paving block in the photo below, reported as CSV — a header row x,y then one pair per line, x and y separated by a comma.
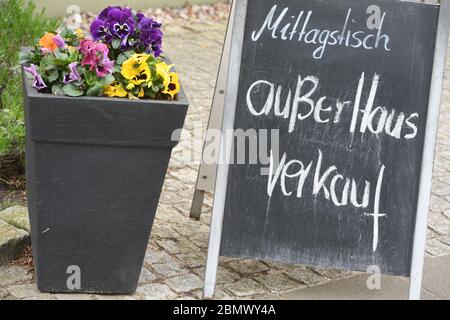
x,y
163,231
248,266
332,273
245,288
147,277
156,292
177,246
13,274
439,223
170,269
185,283
16,216
24,291
201,240
192,260
224,276
277,282
306,276
154,256
12,241
437,248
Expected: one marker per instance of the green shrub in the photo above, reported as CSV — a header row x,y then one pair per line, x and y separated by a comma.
x,y
20,25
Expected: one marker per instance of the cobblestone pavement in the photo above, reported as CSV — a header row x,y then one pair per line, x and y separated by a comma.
x,y
174,264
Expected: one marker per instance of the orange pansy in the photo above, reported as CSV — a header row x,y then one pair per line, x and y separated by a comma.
x,y
47,41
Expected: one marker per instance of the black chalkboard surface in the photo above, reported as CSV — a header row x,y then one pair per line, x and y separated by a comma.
x,y
346,83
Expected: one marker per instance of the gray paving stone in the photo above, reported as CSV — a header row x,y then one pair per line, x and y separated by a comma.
x,y
24,291
224,276
170,269
154,256
277,282
156,292
248,266
147,277
185,283
13,274
306,276
439,223
245,288
437,248
192,260
332,274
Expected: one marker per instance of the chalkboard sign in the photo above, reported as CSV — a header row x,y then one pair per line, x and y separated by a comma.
x,y
347,85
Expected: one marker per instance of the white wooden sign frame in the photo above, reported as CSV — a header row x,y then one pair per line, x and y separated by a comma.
x,y
240,7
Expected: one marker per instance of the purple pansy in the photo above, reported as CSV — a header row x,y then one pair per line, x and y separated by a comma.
x,y
73,75
150,35
135,31
59,41
114,22
38,82
100,31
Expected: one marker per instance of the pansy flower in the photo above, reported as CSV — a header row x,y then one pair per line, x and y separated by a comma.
x,y
73,75
96,56
47,42
150,35
59,41
174,85
163,71
115,90
136,70
38,82
100,31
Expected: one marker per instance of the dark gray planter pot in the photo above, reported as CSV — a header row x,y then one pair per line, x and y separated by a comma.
x,y
95,170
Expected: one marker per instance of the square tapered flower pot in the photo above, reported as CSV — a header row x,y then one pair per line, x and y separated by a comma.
x,y
95,168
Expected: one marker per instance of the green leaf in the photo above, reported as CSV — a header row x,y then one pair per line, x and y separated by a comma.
x,y
121,59
61,55
58,90
116,43
107,80
129,53
95,91
72,90
53,75
155,88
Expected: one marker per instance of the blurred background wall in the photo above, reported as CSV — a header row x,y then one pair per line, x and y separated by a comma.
x,y
66,7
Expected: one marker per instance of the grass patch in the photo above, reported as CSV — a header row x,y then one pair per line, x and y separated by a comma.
x,y
20,25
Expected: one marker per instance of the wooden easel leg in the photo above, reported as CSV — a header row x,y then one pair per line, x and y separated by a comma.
x,y
197,204
206,179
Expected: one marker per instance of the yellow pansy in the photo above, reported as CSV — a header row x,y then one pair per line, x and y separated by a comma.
x,y
141,93
79,33
173,86
136,69
163,70
115,90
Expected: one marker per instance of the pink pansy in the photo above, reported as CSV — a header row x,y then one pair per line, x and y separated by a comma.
x,y
96,56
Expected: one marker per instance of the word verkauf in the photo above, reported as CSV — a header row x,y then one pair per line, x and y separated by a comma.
x,y
334,186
